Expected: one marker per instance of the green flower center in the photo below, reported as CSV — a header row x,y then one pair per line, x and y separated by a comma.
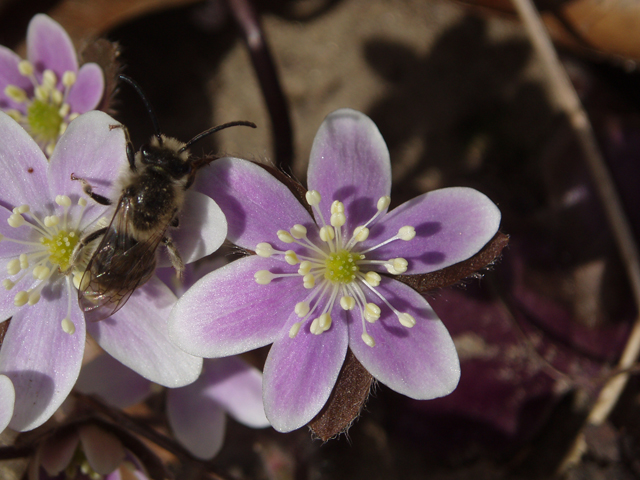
x,y
44,120
342,267
60,248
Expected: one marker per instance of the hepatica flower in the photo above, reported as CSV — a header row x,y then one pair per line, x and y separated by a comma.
x,y
43,214
48,89
319,285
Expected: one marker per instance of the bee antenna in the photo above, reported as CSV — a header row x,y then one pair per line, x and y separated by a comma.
x,y
214,130
152,115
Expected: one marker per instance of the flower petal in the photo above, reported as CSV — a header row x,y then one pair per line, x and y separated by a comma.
x,y
49,46
19,154
226,312
42,360
7,305
23,233
196,420
10,75
420,362
452,224
57,452
91,149
86,93
137,336
300,372
255,203
202,229
237,387
350,162
7,400
103,450
116,384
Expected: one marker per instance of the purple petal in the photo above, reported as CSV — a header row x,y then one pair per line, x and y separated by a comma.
x,y
9,75
237,387
103,450
7,306
226,312
19,153
452,224
116,384
42,360
86,93
255,203
7,400
49,46
300,372
196,420
137,336
23,233
349,162
92,150
420,362
202,229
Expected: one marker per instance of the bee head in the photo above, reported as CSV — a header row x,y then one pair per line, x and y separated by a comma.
x,y
168,156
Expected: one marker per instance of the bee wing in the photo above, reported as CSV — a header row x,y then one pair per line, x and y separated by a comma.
x,y
117,267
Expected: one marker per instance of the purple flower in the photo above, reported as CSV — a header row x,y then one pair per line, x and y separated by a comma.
x,y
48,90
314,288
43,214
196,412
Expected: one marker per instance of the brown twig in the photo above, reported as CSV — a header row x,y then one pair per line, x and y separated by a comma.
x,y
567,99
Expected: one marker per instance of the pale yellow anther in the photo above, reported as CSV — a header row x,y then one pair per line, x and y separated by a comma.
x,y
25,67
41,93
24,261
21,209
56,97
295,328
338,219
368,339
68,326
34,297
73,116
68,78
13,266
301,309
397,266
305,267
383,202
324,321
361,233
347,302
291,258
309,281
263,277
371,312
337,207
327,233
63,200
15,114
41,272
406,233
49,79
406,320
8,284
51,221
62,129
313,197
21,298
264,250
82,202
15,93
372,278
48,150
285,236
80,280
298,231
64,110
315,327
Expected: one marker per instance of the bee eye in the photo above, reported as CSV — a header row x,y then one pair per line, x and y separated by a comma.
x,y
145,150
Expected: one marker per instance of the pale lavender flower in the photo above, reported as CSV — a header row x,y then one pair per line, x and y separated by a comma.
x,y
43,214
196,412
48,89
314,288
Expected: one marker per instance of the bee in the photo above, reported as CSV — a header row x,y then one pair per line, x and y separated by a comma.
x,y
152,194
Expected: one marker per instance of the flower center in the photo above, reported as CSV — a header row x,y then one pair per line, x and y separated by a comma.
x,y
333,269
48,257
46,113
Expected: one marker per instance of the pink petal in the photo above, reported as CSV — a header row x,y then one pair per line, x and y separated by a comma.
x,y
349,162
42,360
7,400
300,372
104,451
49,46
137,336
420,362
86,93
226,312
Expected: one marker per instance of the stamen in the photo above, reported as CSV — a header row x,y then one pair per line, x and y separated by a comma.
x,y
368,339
291,258
309,281
21,299
263,277
302,309
383,203
68,326
284,236
264,250
327,234
397,266
371,312
372,278
295,328
25,68
298,231
313,197
347,302
406,320
68,78
8,284
16,94
406,233
15,220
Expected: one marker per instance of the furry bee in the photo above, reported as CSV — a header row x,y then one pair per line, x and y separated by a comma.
x,y
153,191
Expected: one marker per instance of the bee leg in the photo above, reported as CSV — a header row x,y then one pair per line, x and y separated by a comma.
x,y
86,186
131,153
174,255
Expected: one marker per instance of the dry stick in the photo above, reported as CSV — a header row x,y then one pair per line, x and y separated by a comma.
x,y
562,90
